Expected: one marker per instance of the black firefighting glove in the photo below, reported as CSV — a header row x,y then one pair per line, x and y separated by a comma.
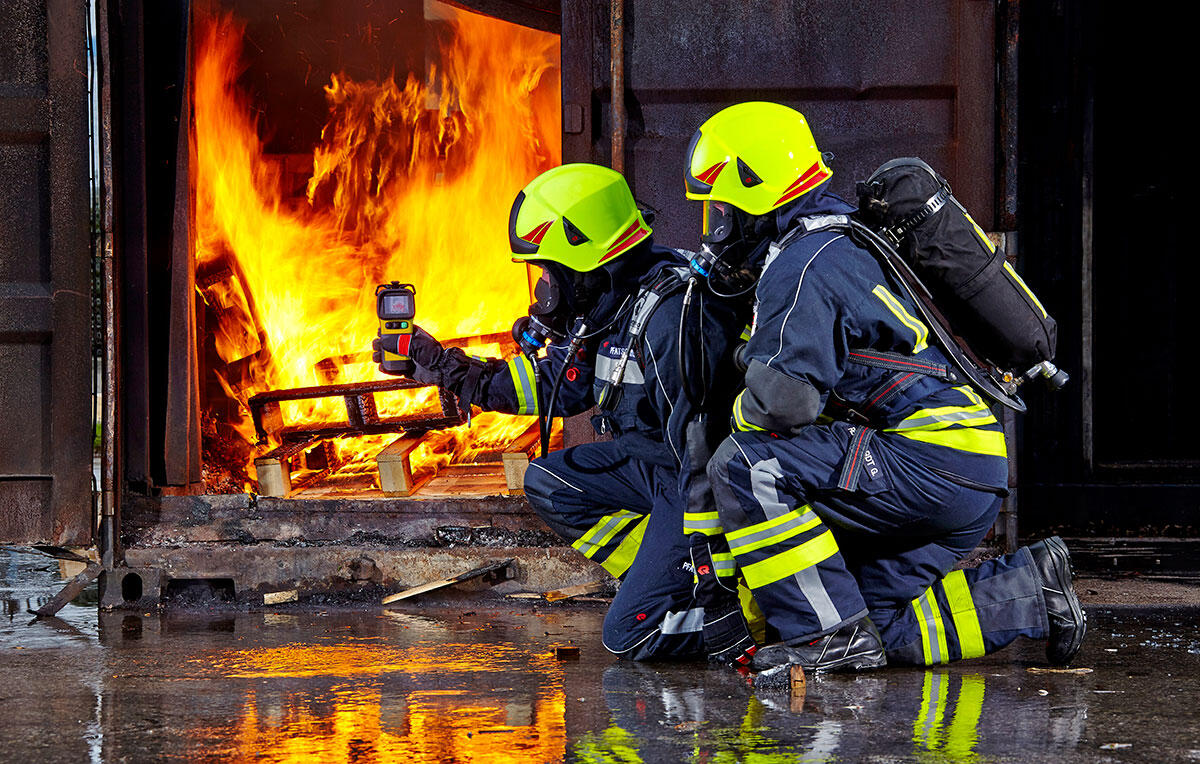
x,y
429,357
425,352
727,638
449,368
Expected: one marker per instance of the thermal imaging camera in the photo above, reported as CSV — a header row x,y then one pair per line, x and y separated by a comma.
x,y
396,306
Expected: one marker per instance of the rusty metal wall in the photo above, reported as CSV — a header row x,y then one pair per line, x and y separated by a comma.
x,y
45,305
876,80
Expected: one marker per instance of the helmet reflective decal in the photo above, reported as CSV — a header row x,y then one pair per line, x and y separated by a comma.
x,y
812,177
709,176
535,236
633,234
575,237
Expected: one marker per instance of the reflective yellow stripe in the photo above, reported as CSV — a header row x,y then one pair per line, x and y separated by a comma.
x,y
962,611
765,540
955,427
754,615
925,648
1021,283
602,532
708,523
745,334
522,376
724,564
803,513
919,329
985,442
979,231
622,557
933,631
945,416
739,421
790,562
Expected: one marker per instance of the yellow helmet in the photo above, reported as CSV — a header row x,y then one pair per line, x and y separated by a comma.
x,y
579,215
756,156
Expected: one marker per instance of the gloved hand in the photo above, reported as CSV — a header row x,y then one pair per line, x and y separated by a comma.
x,y
727,638
429,356
449,368
426,353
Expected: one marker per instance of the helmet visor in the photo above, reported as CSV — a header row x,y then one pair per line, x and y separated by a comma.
x,y
717,222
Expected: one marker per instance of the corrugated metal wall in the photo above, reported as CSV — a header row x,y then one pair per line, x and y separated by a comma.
x,y
876,81
45,346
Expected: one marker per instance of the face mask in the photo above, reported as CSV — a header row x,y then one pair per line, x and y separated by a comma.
x,y
549,315
731,245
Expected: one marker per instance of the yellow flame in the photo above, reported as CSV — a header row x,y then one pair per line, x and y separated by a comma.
x,y
411,182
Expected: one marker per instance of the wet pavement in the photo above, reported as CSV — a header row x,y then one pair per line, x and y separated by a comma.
x,y
481,680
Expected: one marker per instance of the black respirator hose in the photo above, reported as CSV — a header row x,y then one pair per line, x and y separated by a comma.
x,y
543,420
576,343
697,399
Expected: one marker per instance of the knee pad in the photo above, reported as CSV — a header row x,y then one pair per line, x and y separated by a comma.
x,y
718,477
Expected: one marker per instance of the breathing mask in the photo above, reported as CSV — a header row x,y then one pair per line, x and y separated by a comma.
x,y
731,244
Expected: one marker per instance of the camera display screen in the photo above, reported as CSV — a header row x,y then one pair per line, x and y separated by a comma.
x,y
397,305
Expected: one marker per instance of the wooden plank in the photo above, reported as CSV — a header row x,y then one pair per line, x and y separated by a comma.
x,y
516,459
278,598
493,567
454,486
395,468
575,591
70,591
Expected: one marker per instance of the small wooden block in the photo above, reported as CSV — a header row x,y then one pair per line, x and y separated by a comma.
x,y
797,688
275,598
395,470
566,653
274,469
274,475
516,458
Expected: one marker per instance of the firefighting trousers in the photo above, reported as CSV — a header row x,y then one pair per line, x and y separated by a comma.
x,y
627,516
818,555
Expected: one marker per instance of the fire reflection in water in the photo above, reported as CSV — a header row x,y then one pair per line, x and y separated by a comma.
x,y
425,703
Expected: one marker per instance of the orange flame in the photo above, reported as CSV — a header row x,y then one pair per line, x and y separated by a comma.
x,y
410,182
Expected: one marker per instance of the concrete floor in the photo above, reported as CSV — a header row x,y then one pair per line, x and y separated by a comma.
x,y
477,679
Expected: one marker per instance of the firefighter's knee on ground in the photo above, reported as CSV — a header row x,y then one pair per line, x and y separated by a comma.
x,y
540,487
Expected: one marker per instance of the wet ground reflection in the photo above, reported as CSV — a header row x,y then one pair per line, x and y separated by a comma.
x,y
480,681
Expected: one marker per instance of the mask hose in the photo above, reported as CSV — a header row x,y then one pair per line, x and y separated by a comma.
x,y
577,339
697,398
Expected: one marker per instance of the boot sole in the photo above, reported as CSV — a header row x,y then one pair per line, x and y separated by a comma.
x,y
1056,547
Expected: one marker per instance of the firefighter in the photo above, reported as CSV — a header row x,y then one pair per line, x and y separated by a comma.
x,y
610,299
857,477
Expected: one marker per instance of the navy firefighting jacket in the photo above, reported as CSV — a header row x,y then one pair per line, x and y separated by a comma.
x,y
828,323
652,418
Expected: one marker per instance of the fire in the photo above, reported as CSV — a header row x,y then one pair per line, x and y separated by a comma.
x,y
411,181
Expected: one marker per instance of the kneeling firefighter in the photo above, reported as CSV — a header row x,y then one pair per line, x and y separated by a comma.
x,y
609,302
861,472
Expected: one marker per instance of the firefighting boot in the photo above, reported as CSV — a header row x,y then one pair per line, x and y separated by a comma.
x,y
1068,624
853,647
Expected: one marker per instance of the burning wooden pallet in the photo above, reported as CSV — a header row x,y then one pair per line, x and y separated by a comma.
x,y
305,448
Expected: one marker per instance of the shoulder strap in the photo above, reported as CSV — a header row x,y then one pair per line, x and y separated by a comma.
x,y
664,281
